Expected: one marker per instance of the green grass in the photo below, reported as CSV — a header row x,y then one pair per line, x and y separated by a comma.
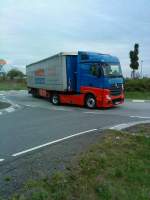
x,y
137,88
139,85
12,85
117,167
137,95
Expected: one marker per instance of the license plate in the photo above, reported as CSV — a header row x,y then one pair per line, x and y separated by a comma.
x,y
117,102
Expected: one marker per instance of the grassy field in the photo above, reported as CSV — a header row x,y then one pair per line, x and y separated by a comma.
x,y
12,85
137,88
139,85
116,168
137,95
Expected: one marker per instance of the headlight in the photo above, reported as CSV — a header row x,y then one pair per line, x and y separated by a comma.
x,y
108,97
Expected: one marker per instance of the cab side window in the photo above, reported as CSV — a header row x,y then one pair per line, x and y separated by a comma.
x,y
95,70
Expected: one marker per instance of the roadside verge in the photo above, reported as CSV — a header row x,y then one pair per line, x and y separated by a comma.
x,y
4,105
8,107
100,165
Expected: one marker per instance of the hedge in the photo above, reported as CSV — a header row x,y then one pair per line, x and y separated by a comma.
x,y
139,85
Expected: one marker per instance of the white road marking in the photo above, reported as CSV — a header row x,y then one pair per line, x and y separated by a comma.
x,y
138,101
0,113
10,110
1,160
140,117
61,109
22,91
55,109
127,125
29,105
118,127
16,105
53,142
95,113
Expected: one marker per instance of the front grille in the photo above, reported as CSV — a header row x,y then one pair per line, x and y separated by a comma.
x,y
116,89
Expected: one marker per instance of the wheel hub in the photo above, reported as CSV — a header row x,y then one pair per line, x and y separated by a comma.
x,y
91,102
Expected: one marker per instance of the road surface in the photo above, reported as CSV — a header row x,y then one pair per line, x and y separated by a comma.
x,y
37,138
33,123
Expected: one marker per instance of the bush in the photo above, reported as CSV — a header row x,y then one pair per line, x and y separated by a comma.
x,y
19,84
15,73
137,85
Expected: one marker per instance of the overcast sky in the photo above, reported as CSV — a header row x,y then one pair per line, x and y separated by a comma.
x,y
34,29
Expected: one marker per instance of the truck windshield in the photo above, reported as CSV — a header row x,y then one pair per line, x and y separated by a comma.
x,y
112,69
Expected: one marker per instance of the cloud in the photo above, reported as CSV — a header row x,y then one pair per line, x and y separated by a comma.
x,y
31,30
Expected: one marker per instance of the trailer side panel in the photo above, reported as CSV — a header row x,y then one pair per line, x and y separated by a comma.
x,y
49,74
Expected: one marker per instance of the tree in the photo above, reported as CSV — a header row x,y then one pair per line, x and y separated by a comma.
x,y
15,73
134,59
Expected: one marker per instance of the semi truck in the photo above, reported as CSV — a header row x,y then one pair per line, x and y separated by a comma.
x,y
81,78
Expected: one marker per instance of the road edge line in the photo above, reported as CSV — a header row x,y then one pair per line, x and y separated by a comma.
x,y
120,127
52,142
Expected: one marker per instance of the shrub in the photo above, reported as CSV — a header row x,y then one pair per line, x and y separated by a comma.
x,y
138,85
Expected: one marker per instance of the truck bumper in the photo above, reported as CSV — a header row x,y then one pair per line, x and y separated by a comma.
x,y
111,101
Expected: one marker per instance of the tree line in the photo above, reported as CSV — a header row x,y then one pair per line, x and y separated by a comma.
x,y
13,74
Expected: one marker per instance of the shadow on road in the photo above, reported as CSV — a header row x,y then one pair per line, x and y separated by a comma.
x,y
4,105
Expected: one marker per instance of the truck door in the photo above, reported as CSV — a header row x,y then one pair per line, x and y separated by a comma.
x,y
71,65
90,74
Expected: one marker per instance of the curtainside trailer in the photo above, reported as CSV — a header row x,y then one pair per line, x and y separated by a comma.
x,y
82,78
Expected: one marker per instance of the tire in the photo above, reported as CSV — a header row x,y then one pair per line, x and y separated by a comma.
x,y
35,93
90,101
55,99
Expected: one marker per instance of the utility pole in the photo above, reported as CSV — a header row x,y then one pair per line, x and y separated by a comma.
x,y
142,68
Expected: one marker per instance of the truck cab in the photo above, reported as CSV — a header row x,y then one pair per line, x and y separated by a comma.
x,y
97,76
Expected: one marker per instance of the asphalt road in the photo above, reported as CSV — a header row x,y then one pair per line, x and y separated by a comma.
x,y
33,123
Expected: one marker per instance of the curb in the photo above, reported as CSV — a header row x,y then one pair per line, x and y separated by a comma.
x,y
4,99
138,100
9,109
4,104
120,127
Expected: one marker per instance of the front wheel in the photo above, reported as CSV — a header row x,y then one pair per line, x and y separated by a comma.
x,y
55,99
90,102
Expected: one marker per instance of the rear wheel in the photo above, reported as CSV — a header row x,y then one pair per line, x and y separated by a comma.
x,y
35,93
90,101
55,99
